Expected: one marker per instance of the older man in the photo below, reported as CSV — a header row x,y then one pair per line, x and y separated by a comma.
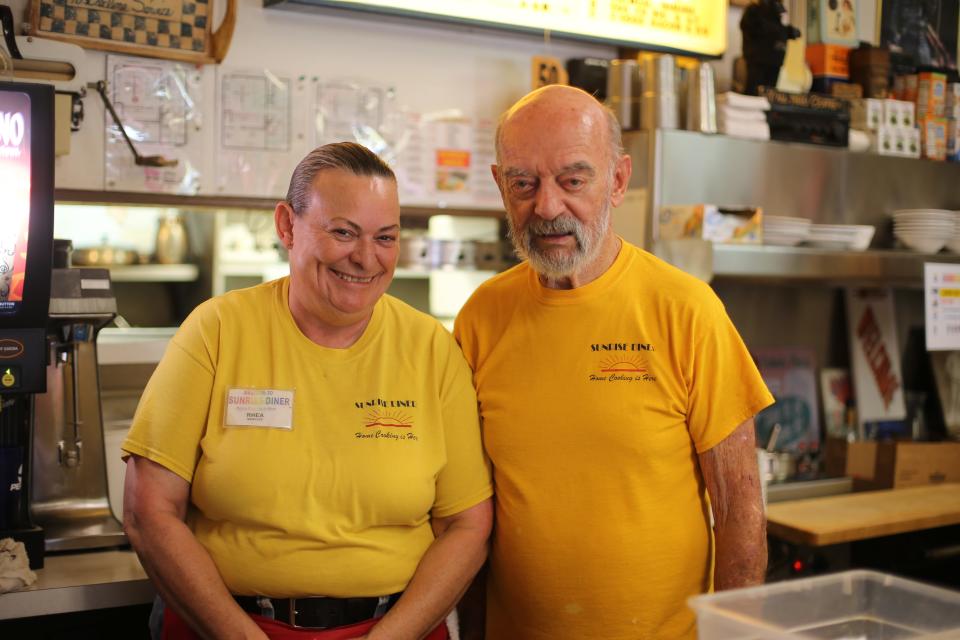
x,y
616,396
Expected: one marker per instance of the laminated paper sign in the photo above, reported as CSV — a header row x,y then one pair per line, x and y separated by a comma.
x,y
789,374
878,383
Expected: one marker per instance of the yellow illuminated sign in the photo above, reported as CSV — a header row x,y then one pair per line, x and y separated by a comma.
x,y
694,26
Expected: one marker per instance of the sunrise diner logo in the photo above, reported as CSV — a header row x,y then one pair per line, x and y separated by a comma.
x,y
387,413
12,130
623,362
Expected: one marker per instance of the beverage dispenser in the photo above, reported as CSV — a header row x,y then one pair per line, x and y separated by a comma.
x,y
52,465
26,239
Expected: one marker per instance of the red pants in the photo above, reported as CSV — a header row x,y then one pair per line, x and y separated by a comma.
x,y
176,628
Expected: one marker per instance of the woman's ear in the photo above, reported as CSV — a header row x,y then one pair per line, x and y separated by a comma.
x,y
283,217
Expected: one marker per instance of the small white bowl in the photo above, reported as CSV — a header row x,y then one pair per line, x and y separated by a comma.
x,y
923,244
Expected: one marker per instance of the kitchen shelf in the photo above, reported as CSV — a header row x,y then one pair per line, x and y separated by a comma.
x,y
200,202
881,266
154,273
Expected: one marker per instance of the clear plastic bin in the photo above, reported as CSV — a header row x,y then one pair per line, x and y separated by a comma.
x,y
853,605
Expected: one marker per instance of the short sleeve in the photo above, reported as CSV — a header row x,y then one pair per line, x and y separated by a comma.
x,y
464,480
173,411
725,387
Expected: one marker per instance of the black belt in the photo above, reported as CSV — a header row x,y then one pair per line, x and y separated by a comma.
x,y
318,613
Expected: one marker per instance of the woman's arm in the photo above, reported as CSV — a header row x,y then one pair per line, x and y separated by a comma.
x,y
154,509
444,573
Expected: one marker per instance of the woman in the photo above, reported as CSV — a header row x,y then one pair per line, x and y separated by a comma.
x,y
308,449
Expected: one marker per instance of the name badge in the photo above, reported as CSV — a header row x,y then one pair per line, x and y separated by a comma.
x,y
272,408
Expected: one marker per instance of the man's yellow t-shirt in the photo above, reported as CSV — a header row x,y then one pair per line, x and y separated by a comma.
x,y
381,435
595,403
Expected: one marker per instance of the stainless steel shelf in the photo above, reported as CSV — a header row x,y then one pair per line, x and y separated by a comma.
x,y
885,266
202,202
155,273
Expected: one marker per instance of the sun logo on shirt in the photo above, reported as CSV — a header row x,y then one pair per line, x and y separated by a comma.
x,y
391,419
624,364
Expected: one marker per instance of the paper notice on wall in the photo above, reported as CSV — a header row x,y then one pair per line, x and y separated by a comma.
x,y
874,354
259,140
159,104
452,157
941,295
789,374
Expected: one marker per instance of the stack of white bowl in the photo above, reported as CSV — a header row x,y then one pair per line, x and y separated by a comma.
x,y
953,244
845,237
925,230
785,231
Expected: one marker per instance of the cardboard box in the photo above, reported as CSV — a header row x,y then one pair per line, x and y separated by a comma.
x,y
892,465
866,114
832,22
828,60
933,138
887,141
931,94
731,225
953,94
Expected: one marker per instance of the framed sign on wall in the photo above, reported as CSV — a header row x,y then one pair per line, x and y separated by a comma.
x,y
695,27
172,29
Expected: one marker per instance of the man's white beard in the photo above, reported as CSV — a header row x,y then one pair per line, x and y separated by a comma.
x,y
556,263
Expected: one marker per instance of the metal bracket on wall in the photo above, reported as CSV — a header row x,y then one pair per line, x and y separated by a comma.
x,y
76,107
143,161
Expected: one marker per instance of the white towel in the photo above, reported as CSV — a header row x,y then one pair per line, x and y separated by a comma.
x,y
742,129
730,112
741,101
15,571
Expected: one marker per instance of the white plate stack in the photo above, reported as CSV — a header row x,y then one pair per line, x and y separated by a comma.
x,y
785,231
926,230
844,237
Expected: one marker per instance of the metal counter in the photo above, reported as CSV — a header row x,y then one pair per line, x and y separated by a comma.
x,y
81,582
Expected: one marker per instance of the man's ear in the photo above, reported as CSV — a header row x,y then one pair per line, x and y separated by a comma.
x,y
283,217
621,179
495,171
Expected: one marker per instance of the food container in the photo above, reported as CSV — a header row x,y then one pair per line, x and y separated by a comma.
x,y
456,254
488,256
103,256
418,252
852,604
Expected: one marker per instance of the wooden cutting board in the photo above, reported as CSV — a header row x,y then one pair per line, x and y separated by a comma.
x,y
834,519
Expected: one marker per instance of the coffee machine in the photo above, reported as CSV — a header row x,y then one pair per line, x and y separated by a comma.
x,y
51,430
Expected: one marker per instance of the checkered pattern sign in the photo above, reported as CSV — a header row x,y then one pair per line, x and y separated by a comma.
x,y
180,25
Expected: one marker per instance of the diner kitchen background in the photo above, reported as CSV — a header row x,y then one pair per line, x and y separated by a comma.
x,y
827,223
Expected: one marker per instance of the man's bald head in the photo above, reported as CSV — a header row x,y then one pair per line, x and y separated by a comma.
x,y
557,104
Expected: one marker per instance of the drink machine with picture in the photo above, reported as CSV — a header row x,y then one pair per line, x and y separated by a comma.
x,y
53,483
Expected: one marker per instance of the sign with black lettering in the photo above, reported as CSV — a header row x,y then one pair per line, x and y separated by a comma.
x,y
546,70
171,29
683,26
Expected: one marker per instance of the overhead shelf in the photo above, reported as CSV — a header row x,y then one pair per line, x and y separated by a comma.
x,y
885,266
154,273
200,202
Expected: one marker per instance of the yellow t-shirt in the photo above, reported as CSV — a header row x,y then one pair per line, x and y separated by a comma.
x,y
595,403
384,434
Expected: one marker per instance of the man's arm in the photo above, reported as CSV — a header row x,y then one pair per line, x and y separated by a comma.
x,y
443,575
740,527
154,508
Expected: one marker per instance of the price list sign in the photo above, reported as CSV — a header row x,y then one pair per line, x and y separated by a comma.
x,y
942,302
689,26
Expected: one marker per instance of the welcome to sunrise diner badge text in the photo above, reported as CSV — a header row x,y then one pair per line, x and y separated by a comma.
x,y
272,408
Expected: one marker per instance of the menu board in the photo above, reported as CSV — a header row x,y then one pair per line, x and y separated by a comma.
x,y
15,187
691,26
